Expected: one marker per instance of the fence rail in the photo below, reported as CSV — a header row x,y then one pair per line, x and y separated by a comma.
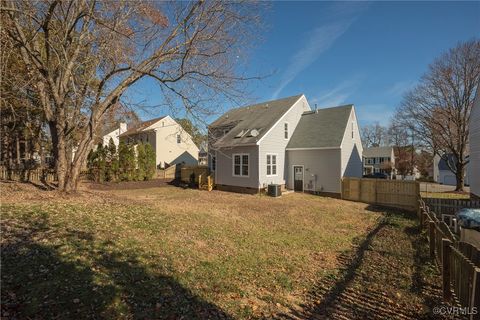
x,y
192,174
402,194
459,261
450,206
39,175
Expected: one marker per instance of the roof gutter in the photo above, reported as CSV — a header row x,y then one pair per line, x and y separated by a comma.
x,y
313,148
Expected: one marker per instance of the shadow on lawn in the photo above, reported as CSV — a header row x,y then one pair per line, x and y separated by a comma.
x,y
326,296
74,277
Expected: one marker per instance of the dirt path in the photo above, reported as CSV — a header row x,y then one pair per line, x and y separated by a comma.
x,y
387,276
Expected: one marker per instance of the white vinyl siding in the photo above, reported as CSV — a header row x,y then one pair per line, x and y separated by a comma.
x,y
274,142
474,170
271,164
351,155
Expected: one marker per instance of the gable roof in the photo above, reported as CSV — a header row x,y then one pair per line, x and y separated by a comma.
x,y
443,165
323,128
261,117
141,127
378,152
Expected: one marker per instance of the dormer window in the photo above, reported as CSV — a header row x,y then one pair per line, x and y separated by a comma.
x,y
285,130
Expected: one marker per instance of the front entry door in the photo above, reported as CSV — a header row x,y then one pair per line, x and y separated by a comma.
x,y
297,178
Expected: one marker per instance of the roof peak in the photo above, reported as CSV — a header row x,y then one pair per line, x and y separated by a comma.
x,y
298,96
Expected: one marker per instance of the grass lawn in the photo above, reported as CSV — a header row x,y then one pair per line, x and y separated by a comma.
x,y
173,253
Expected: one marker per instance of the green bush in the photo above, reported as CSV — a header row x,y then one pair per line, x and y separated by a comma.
x,y
141,162
126,160
150,162
112,166
125,164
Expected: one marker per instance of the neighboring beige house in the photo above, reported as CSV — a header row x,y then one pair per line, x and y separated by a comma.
x,y
284,142
379,160
474,172
171,143
114,135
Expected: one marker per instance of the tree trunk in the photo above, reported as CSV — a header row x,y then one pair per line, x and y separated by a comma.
x,y
59,149
460,175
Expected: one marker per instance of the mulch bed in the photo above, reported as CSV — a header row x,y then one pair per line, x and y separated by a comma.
x,y
125,185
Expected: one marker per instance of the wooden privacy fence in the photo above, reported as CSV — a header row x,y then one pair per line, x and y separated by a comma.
x,y
39,175
450,206
171,172
394,193
458,261
191,174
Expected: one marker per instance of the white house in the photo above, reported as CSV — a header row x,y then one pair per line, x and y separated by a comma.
x,y
285,142
114,135
379,160
172,144
474,138
442,173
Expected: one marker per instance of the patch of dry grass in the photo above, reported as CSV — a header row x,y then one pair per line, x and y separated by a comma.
x,y
445,195
167,252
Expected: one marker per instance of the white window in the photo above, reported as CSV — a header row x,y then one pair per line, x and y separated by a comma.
x,y
240,164
271,164
179,139
285,129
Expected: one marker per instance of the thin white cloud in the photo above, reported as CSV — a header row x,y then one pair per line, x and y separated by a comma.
x,y
338,94
400,88
319,41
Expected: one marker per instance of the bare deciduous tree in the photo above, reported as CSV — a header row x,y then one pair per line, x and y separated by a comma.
x,y
374,135
83,56
402,138
438,109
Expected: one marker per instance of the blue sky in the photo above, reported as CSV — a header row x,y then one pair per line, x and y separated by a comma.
x,y
365,53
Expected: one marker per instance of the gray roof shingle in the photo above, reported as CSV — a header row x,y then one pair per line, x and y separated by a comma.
x,y
323,128
141,127
261,117
378,152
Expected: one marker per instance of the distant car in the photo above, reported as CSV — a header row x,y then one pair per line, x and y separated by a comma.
x,y
377,175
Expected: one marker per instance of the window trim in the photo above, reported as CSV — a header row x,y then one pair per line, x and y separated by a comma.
x,y
286,131
241,165
271,165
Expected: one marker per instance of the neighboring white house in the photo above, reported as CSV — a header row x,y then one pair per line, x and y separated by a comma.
x,y
171,143
379,160
114,134
284,142
442,173
474,172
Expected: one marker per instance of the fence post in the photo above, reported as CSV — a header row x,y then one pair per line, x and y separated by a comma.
x,y
446,252
431,226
